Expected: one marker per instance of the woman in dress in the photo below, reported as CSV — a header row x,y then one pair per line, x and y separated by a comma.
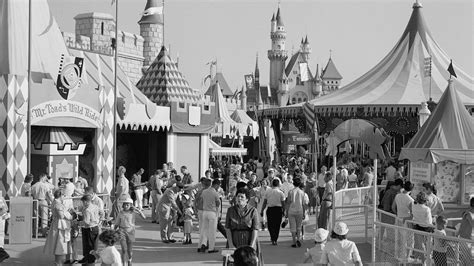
x,y
58,241
242,223
259,170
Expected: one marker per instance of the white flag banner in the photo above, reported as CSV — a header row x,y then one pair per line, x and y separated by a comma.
x,y
304,71
153,10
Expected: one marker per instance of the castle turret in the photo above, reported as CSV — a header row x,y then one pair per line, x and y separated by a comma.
x,y
151,29
277,55
273,24
331,79
305,49
317,88
256,75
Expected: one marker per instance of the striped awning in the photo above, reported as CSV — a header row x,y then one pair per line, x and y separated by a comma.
x,y
215,149
50,135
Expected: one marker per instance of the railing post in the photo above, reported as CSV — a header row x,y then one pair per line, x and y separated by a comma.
x,y
374,202
366,215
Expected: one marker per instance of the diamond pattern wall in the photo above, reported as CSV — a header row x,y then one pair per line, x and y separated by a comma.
x,y
13,136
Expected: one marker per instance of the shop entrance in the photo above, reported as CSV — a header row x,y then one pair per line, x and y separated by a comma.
x,y
141,149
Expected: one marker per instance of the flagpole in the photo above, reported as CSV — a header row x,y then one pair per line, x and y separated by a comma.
x,y
28,118
114,110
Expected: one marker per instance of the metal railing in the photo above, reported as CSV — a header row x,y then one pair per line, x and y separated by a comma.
x,y
403,245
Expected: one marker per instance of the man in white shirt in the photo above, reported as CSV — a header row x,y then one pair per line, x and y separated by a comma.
x,y
287,183
274,201
210,205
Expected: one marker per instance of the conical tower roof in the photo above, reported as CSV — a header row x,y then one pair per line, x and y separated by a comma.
x,y
399,79
330,71
446,135
278,18
163,83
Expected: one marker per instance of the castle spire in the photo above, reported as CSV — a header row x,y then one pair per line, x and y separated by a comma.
x,y
278,17
257,71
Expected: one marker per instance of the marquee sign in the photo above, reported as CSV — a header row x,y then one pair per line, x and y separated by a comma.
x,y
52,109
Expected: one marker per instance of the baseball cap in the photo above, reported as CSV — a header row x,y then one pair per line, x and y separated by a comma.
x,y
341,228
125,199
320,235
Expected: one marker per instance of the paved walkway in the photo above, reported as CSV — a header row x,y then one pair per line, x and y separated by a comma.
x,y
148,250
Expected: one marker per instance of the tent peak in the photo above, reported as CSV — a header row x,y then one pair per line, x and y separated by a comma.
x,y
417,4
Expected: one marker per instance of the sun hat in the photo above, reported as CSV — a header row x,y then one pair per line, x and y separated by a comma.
x,y
341,228
320,235
125,199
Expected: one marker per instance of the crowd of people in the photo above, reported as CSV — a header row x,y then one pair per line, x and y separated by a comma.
x,y
262,198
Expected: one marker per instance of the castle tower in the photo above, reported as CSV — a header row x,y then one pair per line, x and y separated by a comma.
x,y
99,28
305,49
277,55
317,89
151,29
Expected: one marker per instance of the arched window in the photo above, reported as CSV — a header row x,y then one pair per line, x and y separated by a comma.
x,y
102,28
293,100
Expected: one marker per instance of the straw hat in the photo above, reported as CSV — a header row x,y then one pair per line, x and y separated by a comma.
x,y
341,228
320,235
125,199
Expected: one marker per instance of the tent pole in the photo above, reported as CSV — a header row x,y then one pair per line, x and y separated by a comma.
x,y
374,209
114,110
334,173
28,115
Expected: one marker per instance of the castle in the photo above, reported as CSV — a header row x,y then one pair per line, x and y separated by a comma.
x,y
291,82
96,32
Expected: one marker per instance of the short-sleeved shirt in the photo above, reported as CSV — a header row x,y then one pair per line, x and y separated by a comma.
x,y
328,191
286,187
241,219
210,200
390,173
422,214
122,187
403,202
274,197
321,181
41,190
98,202
125,220
340,252
315,253
435,204
110,256
297,198
187,179
92,215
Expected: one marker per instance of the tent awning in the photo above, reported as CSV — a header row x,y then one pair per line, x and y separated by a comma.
x,y
438,155
215,149
248,127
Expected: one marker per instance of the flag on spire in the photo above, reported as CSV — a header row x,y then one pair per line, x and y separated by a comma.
x,y
451,70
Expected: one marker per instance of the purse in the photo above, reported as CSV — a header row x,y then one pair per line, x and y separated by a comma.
x,y
284,223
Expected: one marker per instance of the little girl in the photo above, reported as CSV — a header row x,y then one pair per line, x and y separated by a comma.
x,y
314,254
188,214
109,255
125,223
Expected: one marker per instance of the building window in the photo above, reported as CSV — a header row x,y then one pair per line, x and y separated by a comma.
x,y
293,100
102,28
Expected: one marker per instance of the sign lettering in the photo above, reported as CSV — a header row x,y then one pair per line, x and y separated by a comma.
x,y
69,108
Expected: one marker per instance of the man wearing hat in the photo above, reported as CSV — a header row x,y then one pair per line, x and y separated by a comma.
x,y
42,191
340,251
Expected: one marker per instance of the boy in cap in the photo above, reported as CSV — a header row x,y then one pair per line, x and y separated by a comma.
x,y
314,254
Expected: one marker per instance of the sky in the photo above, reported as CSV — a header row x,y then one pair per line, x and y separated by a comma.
x,y
359,33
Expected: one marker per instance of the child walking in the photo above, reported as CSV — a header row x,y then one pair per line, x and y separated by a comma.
x,y
314,254
109,255
188,214
125,223
440,247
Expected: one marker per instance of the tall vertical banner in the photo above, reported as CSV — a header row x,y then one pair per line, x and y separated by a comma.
x,y
304,72
249,80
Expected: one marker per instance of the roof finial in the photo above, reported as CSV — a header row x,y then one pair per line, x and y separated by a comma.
x,y
417,4
330,54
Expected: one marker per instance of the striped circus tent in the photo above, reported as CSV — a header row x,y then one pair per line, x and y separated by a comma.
x,y
446,135
163,83
400,78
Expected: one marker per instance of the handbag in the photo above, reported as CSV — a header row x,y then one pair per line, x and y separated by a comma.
x,y
284,223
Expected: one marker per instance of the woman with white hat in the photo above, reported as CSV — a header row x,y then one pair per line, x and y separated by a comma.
x,y
340,251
